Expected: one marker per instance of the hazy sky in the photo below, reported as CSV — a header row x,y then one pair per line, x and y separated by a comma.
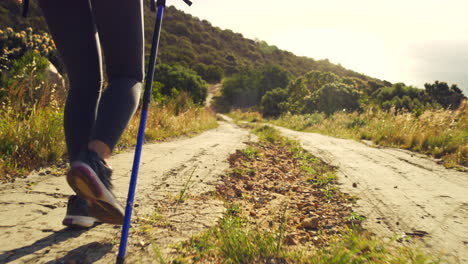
x,y
410,41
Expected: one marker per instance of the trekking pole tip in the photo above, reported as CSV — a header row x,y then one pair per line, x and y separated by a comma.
x,y
189,3
120,260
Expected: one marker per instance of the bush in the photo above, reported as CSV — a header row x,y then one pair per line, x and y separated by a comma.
x,y
181,79
274,102
449,98
336,97
247,88
13,45
209,73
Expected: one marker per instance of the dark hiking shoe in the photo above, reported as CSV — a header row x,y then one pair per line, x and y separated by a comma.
x,y
78,213
89,177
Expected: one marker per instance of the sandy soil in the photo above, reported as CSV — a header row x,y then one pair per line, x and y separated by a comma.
x,y
401,193
33,208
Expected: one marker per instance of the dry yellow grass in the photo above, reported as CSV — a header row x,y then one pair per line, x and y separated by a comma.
x,y
36,138
439,133
171,120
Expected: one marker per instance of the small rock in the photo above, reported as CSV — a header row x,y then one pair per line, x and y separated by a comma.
x,y
291,240
396,187
310,223
316,240
354,185
253,214
142,243
48,171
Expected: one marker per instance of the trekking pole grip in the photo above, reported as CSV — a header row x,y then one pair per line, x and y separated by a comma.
x,y
154,4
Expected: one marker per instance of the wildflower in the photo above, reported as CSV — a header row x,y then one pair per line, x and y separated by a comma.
x,y
1,32
29,30
9,30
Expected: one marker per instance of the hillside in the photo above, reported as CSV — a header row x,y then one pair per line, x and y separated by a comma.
x,y
189,41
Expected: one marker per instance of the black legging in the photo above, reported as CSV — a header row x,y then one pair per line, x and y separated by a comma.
x,y
80,28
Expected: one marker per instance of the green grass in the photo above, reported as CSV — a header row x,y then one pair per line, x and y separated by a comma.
x,y
234,240
358,247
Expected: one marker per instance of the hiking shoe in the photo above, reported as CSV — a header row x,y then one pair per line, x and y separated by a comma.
x,y
78,213
89,177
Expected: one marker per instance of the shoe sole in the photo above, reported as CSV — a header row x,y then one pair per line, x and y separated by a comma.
x,y
78,221
84,181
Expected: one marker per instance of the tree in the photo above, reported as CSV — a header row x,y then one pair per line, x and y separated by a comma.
x,y
247,88
303,91
336,96
209,73
273,103
240,90
273,76
445,96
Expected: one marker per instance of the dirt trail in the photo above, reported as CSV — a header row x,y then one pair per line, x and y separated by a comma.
x,y
212,90
32,208
400,192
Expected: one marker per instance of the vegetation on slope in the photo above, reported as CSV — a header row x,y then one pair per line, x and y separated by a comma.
x,y
197,44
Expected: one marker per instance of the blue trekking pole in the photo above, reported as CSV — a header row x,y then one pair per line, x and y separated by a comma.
x,y
161,4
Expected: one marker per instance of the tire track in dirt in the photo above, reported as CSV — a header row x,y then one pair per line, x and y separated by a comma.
x,y
33,208
400,192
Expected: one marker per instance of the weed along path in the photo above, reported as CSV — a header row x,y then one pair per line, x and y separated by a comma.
x,y
399,192
174,184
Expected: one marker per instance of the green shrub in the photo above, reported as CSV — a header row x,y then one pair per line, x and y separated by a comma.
x,y
209,73
181,79
14,45
274,102
336,97
247,88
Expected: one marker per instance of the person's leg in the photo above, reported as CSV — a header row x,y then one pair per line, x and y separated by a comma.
x,y
72,27
120,27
